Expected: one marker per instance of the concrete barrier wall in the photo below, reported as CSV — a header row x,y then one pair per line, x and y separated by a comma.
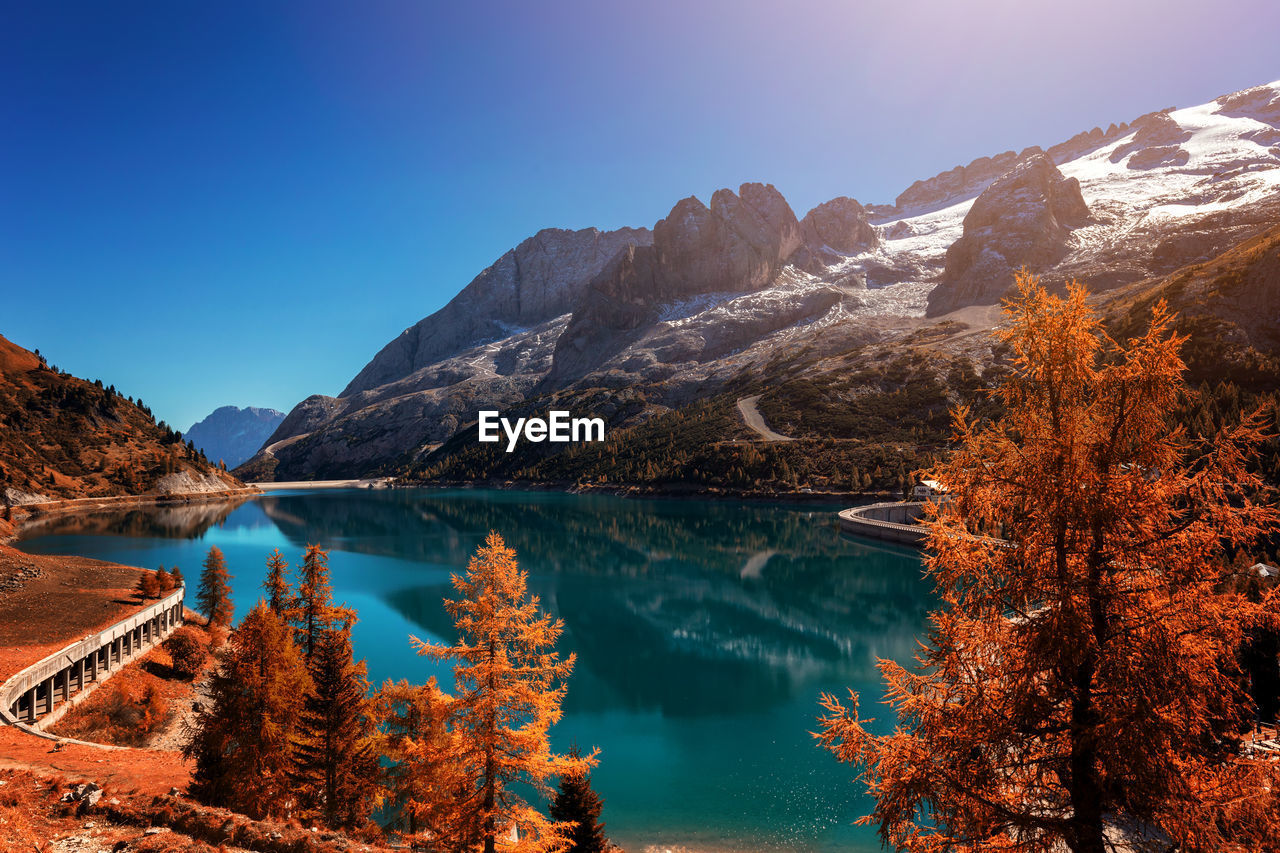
x,y
897,521
40,694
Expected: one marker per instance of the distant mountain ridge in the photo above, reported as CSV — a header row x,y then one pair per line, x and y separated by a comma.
x,y
231,435
719,297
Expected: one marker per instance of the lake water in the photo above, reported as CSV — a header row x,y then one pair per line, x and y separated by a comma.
x,y
704,632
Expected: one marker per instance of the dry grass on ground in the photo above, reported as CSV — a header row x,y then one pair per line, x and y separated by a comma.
x,y
48,602
143,704
34,817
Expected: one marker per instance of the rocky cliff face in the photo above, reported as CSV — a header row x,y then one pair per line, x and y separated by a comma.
x,y
232,434
492,342
540,279
1023,219
738,245
958,183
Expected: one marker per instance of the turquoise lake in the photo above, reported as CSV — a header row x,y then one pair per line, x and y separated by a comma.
x,y
705,632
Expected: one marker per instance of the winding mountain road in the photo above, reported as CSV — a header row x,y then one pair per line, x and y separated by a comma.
x,y
751,415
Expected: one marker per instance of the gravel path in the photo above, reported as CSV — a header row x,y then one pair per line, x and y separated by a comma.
x,y
753,418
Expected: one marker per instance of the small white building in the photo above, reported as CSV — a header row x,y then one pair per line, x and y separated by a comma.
x,y
929,490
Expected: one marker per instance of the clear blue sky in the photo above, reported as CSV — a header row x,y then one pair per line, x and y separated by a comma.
x,y
240,203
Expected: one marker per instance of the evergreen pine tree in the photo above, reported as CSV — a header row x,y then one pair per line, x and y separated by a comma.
x,y
277,585
577,803
241,738
214,595
335,764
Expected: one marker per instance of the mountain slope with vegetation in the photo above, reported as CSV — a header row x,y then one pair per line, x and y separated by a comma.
x,y
65,437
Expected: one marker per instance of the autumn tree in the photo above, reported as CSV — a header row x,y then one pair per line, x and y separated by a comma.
x,y
164,581
147,586
509,683
276,585
576,803
313,611
214,594
1078,678
335,763
241,739
423,780
175,575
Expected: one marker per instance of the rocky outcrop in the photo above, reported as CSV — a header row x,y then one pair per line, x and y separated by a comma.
x,y
540,279
1261,103
16,497
496,334
835,229
1157,141
1023,219
232,435
959,183
193,482
310,414
1085,141
738,245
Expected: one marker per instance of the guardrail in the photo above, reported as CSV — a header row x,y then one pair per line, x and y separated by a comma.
x,y
40,694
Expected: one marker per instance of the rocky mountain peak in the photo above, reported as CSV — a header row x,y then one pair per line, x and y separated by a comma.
x,y
738,244
232,434
539,279
958,183
1023,219
840,224
1261,103
1032,186
684,230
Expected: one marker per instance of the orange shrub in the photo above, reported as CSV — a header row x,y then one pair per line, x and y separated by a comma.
x,y
186,647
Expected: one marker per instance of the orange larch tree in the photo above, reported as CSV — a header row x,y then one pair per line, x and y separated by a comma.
x,y
276,585
241,738
509,683
1078,684
312,610
214,594
423,781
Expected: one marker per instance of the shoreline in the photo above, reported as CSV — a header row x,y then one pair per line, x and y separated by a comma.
x,y
23,515
308,485
690,492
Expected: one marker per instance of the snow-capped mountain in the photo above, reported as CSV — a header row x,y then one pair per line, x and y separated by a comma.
x,y
717,293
